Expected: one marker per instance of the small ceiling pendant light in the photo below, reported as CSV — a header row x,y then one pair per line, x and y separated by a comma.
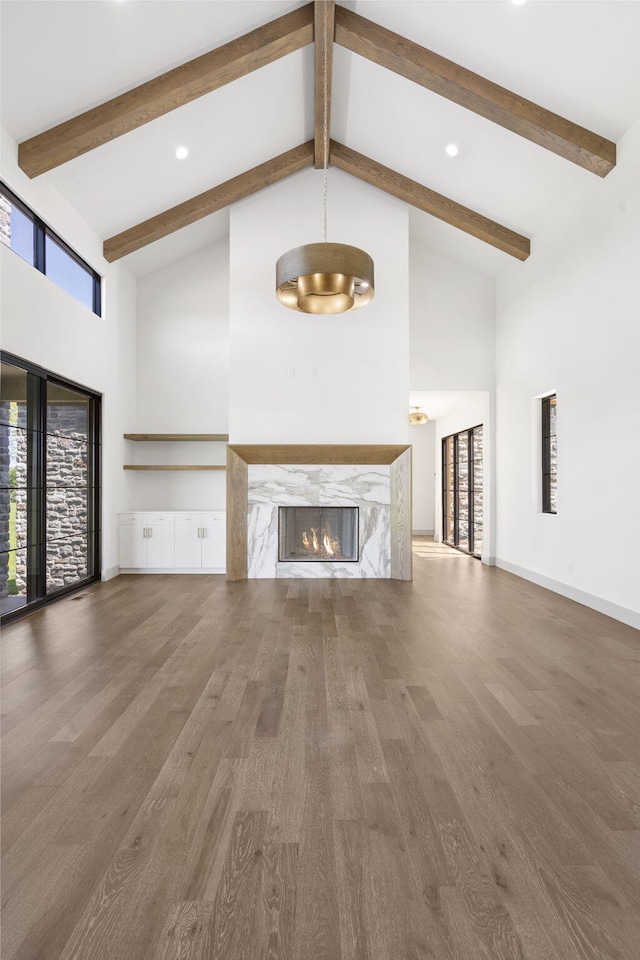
x,y
418,418
325,278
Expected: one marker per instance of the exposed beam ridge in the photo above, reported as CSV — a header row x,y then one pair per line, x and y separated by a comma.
x,y
209,202
474,92
324,12
167,92
433,203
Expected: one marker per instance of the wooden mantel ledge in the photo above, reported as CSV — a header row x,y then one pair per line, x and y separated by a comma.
x,y
175,466
176,436
346,453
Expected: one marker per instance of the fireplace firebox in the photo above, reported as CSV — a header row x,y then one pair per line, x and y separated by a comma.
x,y
318,533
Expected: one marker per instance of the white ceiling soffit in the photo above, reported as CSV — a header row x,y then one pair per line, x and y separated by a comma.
x,y
577,58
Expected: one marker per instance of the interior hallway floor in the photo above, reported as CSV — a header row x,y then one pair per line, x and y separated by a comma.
x,y
308,769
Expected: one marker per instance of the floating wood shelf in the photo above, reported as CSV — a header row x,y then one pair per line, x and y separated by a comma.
x,y
176,436
175,466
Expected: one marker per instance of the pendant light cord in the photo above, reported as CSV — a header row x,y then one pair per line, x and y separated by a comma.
x,y
325,72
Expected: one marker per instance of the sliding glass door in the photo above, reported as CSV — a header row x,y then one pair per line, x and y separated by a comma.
x,y
462,501
49,486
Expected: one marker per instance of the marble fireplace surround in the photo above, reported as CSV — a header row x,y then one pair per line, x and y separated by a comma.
x,y
376,477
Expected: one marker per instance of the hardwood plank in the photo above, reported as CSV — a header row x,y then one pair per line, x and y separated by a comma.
x,y
435,204
324,12
183,214
165,93
482,96
232,926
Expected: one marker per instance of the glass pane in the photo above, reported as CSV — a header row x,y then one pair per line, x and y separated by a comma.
x,y
553,494
448,528
67,512
477,443
13,395
66,562
67,412
463,534
552,416
68,273
477,538
463,505
67,462
463,446
16,229
448,450
13,580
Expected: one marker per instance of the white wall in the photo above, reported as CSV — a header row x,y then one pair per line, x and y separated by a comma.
x,y
568,320
361,391
423,441
44,324
472,412
452,323
182,376
452,309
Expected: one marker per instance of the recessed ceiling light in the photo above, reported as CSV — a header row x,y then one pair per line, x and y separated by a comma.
x,y
182,153
451,150
518,3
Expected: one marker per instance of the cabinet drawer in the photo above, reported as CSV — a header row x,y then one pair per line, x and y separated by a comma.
x,y
133,519
214,516
156,519
183,517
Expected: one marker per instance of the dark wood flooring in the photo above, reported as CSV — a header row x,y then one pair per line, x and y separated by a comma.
x,y
321,770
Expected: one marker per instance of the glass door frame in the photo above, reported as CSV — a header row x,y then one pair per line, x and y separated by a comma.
x,y
37,594
455,438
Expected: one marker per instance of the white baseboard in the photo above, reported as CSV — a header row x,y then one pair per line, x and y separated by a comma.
x,y
189,570
110,573
422,533
607,607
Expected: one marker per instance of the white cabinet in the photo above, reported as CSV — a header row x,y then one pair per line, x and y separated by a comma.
x,y
214,540
173,541
200,540
146,541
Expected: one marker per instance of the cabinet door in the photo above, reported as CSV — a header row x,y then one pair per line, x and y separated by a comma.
x,y
133,546
160,546
214,546
188,549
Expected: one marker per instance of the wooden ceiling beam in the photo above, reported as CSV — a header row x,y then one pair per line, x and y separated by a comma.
x,y
474,92
324,12
433,203
167,92
209,202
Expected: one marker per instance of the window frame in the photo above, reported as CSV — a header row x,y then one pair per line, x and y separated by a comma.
x,y
546,405
41,231
37,514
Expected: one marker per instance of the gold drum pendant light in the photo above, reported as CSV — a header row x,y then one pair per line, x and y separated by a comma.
x,y
325,278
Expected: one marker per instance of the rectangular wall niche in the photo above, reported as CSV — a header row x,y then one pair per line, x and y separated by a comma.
x,y
307,534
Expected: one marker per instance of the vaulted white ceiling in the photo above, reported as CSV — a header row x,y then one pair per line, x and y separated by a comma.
x,y
578,58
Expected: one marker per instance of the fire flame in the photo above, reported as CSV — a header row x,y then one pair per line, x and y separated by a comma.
x,y
321,541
